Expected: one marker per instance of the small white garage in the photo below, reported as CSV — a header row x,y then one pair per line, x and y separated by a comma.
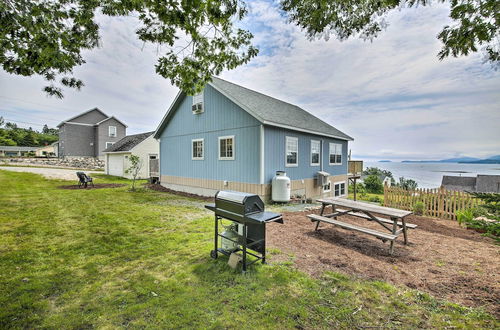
x,y
143,145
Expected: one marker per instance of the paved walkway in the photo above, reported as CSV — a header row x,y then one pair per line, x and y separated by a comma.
x,y
49,173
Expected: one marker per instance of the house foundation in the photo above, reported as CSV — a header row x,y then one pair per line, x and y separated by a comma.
x,y
208,188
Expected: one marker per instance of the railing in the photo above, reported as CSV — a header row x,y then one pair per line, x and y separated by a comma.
x,y
439,203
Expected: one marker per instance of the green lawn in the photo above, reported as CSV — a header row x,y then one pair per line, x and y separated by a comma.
x,y
112,258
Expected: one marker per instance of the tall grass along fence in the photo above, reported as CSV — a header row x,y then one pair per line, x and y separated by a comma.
x,y
439,202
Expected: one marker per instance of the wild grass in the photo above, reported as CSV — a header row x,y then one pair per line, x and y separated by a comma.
x,y
114,258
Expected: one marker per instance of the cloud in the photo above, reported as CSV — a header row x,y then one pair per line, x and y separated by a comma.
x,y
392,94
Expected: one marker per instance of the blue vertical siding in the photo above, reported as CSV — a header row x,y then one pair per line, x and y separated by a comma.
x,y
221,118
275,137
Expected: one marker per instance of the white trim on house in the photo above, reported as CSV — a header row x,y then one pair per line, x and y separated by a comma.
x,y
335,153
292,128
244,107
233,147
179,93
75,123
318,147
262,154
202,149
110,129
109,144
81,114
340,190
296,140
106,119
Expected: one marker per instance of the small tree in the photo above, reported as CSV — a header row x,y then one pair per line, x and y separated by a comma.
x,y
373,184
407,184
134,169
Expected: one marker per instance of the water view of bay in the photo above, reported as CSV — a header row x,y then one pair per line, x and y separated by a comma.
x,y
429,175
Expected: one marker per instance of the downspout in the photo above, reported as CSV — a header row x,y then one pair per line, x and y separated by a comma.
x,y
262,153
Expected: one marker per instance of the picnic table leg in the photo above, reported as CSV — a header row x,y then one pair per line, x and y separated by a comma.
x,y
394,229
405,234
320,213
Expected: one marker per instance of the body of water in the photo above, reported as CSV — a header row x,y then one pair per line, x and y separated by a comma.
x,y
429,175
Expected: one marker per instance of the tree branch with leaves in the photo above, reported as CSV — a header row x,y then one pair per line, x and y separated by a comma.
x,y
46,38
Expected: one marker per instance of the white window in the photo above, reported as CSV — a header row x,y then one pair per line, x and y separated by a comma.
x,y
197,149
339,189
292,151
112,131
198,103
327,187
315,150
109,144
335,155
226,148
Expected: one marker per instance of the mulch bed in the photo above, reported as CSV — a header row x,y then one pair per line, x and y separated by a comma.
x,y
443,259
159,187
96,186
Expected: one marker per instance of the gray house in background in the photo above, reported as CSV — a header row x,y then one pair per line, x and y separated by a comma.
x,y
482,183
89,133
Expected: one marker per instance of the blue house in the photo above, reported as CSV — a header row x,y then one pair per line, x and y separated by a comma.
x,y
233,138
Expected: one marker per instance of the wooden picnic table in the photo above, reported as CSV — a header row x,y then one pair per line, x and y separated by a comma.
x,y
341,206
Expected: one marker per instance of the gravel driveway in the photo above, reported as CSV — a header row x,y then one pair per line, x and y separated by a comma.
x,y
49,173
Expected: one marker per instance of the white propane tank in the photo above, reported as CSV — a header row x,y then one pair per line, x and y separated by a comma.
x,y
231,232
280,187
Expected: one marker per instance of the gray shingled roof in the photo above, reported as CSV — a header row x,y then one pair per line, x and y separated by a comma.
x,y
488,183
275,112
459,183
128,142
266,109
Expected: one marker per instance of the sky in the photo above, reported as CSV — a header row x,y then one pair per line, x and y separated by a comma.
x,y
391,94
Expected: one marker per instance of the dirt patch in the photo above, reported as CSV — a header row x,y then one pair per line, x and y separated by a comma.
x,y
95,186
442,258
159,187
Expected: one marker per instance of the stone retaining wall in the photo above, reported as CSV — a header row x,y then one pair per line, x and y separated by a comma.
x,y
73,162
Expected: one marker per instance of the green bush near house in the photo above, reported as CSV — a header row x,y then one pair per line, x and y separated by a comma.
x,y
373,184
108,258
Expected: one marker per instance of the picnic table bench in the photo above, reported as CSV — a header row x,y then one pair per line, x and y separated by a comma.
x,y
341,206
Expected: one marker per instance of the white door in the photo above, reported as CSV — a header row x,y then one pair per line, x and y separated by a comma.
x,y
115,165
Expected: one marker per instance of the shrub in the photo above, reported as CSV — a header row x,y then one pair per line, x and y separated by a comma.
x,y
360,189
374,199
465,216
418,208
373,184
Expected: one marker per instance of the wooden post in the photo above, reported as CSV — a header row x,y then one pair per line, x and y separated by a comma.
x,y
354,188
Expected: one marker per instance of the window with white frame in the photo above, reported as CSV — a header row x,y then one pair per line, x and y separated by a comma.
x,y
292,151
109,144
327,187
339,189
226,148
198,103
315,151
335,154
112,131
197,149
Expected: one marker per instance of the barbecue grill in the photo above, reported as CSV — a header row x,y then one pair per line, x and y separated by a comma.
x,y
248,211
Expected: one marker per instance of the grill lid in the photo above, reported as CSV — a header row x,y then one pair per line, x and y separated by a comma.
x,y
233,196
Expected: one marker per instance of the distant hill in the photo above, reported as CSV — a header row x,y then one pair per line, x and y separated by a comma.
x,y
490,160
385,161
449,160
